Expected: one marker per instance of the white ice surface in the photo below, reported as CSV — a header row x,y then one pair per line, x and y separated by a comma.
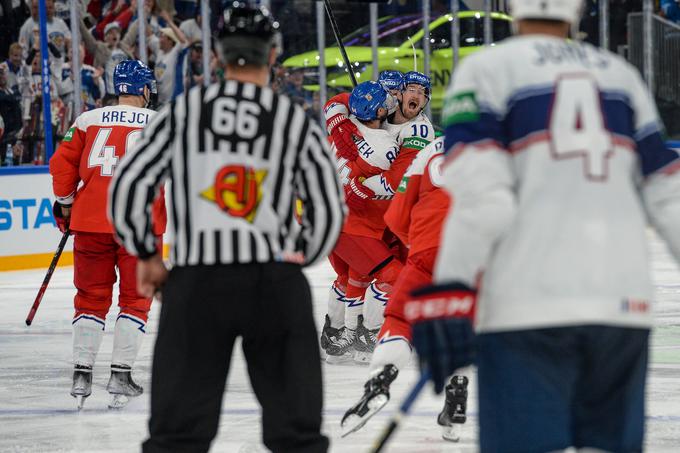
x,y
38,415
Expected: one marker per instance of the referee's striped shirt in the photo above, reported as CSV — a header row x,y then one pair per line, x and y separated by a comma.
x,y
237,157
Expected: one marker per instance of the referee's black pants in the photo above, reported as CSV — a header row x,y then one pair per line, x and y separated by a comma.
x,y
204,309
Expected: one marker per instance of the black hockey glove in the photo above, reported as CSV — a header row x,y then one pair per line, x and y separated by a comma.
x,y
441,317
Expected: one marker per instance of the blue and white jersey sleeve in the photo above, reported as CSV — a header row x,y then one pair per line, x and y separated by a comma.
x,y
478,174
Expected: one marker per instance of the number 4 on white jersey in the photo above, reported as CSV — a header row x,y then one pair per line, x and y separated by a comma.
x,y
577,126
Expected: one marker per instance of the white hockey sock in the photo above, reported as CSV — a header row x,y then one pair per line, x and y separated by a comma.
x,y
336,306
390,350
374,307
127,339
88,332
353,309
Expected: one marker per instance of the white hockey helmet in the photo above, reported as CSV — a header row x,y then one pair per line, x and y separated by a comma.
x,y
563,10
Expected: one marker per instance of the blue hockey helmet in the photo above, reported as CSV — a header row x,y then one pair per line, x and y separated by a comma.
x,y
418,78
366,99
391,80
131,76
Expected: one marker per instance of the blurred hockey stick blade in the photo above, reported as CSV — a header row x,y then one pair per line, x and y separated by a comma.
x,y
403,411
48,277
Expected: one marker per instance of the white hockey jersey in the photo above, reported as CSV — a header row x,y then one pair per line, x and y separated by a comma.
x,y
555,157
377,151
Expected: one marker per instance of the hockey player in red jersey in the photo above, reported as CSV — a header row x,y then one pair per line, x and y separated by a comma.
x,y
415,216
89,155
360,255
412,131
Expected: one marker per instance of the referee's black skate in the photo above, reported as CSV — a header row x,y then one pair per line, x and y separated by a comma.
x,y
453,415
376,396
121,386
82,384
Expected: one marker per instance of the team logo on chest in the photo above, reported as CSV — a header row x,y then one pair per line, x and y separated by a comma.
x,y
237,190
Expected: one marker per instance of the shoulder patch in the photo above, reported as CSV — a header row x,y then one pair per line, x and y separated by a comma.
x,y
461,108
403,184
69,134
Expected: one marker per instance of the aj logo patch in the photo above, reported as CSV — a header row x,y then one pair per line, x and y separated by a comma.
x,y
237,190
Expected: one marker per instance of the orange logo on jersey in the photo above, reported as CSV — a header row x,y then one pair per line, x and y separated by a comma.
x,y
237,190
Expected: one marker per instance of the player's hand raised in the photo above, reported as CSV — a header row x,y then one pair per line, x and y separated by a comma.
x,y
344,132
442,317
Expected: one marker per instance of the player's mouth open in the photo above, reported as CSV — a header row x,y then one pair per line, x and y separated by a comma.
x,y
413,105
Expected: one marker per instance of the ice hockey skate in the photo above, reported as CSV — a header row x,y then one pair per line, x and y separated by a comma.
x,y
376,396
365,342
82,384
328,334
453,416
341,349
121,386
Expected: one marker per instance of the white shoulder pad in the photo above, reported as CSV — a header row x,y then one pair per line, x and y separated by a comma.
x,y
335,108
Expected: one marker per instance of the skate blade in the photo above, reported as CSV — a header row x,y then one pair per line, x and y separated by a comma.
x,y
354,422
452,433
362,357
80,401
118,401
338,359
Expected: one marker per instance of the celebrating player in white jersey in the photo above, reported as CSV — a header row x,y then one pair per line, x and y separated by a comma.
x,y
556,162
412,131
360,254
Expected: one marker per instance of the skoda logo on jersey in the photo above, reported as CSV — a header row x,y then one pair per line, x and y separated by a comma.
x,y
237,191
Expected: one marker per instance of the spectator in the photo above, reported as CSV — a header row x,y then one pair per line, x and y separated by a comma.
x,y
15,65
12,14
190,68
192,27
58,32
92,84
185,10
154,22
170,44
106,54
10,111
671,10
122,13
293,89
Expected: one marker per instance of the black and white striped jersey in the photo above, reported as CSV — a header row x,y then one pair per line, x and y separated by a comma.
x,y
237,157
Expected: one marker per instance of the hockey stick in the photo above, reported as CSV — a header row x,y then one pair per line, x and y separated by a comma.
x,y
48,276
336,33
403,411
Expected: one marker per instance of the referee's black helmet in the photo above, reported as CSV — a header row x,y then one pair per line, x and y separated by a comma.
x,y
247,34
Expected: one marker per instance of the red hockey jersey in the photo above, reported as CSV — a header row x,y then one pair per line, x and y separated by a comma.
x,y
420,205
89,154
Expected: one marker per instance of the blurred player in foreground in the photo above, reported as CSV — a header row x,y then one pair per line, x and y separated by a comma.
x,y
556,160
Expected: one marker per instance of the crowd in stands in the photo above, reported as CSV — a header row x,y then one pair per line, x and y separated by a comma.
x,y
109,34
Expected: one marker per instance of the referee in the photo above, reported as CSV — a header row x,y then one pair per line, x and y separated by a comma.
x,y
237,156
